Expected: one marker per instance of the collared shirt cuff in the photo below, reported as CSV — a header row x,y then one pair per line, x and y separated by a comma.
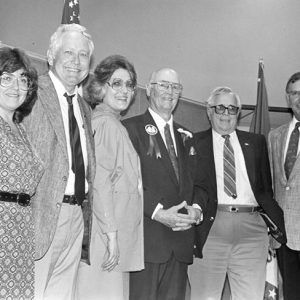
x,y
157,208
201,213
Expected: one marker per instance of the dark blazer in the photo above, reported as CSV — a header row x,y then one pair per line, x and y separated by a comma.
x,y
161,186
45,129
255,152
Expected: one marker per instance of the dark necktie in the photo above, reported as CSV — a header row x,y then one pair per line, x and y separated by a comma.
x,y
171,149
291,153
77,158
229,168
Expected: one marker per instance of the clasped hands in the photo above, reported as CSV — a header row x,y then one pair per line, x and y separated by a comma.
x,y
178,221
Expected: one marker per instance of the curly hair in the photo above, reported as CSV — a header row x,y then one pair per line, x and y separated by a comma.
x,y
103,73
12,60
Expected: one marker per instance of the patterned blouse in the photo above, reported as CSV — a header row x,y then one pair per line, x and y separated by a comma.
x,y
20,168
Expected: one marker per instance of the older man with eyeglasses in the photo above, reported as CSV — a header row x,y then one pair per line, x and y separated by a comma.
x,y
169,211
233,238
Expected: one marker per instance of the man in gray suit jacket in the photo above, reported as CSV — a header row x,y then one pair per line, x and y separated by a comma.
x,y
60,131
285,164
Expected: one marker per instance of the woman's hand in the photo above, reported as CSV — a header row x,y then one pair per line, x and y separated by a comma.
x,y
112,254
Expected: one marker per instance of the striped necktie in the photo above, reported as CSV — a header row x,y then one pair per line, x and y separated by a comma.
x,y
292,150
229,168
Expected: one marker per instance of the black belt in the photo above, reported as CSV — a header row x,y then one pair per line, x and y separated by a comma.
x,y
238,208
21,198
71,199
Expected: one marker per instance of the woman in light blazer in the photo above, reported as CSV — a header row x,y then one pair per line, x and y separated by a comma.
x,y
117,237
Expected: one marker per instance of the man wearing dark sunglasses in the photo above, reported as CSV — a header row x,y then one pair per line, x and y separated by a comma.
x,y
233,238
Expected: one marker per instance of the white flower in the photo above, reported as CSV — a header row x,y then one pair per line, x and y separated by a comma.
x,y
188,134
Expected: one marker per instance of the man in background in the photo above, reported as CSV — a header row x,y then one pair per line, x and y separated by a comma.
x,y
285,164
60,131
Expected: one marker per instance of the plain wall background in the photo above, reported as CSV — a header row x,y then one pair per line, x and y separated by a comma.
x,y
209,42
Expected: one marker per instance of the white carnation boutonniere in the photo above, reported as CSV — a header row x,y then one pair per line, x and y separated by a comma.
x,y
185,134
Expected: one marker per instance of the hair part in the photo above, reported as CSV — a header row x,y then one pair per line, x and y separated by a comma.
x,y
12,60
57,37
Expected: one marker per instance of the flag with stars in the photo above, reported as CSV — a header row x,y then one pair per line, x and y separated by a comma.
x,y
71,12
271,286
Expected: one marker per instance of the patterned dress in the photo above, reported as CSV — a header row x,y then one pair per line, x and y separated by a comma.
x,y
20,171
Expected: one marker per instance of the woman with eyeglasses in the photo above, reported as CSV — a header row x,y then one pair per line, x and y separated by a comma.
x,y
117,238
20,172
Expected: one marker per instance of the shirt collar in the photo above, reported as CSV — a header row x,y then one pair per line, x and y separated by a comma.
x,y
293,122
160,122
59,87
219,137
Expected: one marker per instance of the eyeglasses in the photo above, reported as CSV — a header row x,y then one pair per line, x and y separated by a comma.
x,y
164,86
294,94
220,109
8,79
118,85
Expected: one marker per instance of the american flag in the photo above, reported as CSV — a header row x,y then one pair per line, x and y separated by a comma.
x,y
71,12
271,285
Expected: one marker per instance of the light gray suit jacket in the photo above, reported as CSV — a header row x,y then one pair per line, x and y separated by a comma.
x,y
45,129
287,192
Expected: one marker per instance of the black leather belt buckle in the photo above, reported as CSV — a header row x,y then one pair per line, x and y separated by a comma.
x,y
23,199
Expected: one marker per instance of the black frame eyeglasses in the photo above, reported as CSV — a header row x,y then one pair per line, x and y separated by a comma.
x,y
117,84
164,86
231,109
8,79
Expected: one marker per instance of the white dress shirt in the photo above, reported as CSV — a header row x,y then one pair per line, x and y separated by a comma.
x,y
245,194
60,90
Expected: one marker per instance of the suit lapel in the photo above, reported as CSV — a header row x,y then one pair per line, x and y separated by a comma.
x,y
281,141
50,102
165,158
88,136
180,154
209,153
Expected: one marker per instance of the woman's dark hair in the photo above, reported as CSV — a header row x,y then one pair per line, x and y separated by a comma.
x,y
12,60
103,73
